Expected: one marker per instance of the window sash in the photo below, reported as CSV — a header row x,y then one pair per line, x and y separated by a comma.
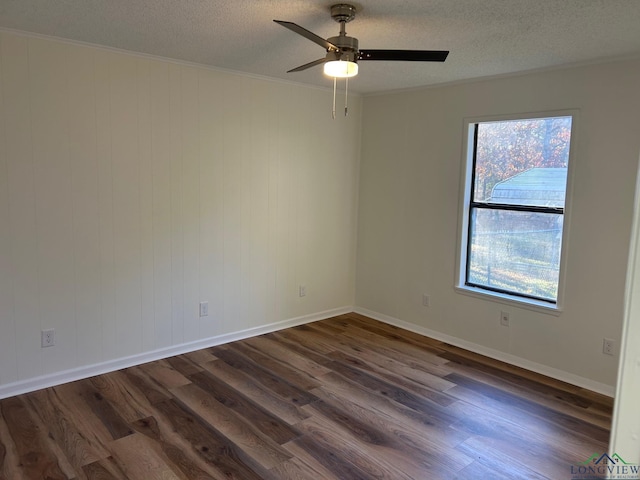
x,y
516,208
537,271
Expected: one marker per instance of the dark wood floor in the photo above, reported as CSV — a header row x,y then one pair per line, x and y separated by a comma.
x,y
346,398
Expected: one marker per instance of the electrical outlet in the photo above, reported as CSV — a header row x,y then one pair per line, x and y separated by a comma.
x,y
302,291
47,338
204,309
504,319
608,346
426,301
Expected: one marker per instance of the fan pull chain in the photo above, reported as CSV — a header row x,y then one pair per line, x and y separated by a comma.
x,y
333,111
346,97
346,93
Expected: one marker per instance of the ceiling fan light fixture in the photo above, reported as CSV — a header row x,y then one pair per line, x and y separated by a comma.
x,y
341,69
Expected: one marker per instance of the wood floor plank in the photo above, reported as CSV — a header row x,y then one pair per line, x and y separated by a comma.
x,y
262,419
256,392
417,358
330,457
9,459
162,373
3,456
267,345
152,387
283,380
78,446
493,466
433,410
314,461
257,445
200,357
352,319
484,363
558,396
34,458
411,427
527,408
433,445
52,445
344,398
275,366
300,345
103,409
80,413
396,448
401,381
367,458
520,444
311,339
296,469
502,423
118,390
528,463
105,469
400,369
174,447
401,336
184,364
223,455
138,459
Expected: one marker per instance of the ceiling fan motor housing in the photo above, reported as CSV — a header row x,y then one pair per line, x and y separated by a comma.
x,y
348,48
343,12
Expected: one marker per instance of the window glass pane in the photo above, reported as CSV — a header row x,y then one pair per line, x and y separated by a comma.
x,y
515,252
522,162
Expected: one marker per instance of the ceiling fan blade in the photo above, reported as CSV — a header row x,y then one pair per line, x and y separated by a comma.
x,y
308,65
404,55
307,34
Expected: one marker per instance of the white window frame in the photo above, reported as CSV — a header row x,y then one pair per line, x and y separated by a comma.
x,y
464,211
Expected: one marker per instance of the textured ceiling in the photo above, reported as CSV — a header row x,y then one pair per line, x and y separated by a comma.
x,y
485,37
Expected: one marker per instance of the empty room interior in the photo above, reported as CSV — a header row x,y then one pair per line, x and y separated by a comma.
x,y
422,265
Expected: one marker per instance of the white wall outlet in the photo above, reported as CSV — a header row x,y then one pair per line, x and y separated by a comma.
x,y
47,338
608,346
302,291
204,309
426,301
504,319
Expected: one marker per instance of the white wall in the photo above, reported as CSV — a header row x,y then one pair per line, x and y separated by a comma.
x,y
409,209
133,188
625,430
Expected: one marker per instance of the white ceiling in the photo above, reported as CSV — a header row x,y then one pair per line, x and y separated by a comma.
x,y
485,37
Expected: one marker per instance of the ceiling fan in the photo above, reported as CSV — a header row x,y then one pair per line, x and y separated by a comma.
x,y
341,59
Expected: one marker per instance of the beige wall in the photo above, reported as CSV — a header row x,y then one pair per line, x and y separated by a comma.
x,y
133,188
625,431
409,209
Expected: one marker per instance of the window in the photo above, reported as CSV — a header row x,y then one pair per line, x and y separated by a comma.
x,y
514,208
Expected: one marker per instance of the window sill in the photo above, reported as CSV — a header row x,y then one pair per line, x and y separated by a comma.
x,y
534,305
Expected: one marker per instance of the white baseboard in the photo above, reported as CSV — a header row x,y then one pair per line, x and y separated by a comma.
x,y
58,378
495,354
